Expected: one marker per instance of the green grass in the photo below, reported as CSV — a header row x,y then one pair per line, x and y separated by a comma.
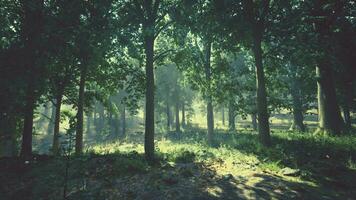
x,y
326,166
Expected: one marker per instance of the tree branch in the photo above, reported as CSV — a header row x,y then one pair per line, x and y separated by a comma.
x,y
162,28
162,54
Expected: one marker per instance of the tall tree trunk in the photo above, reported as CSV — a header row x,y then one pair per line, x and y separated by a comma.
x,y
149,117
26,146
254,121
31,35
183,114
298,117
50,127
330,120
223,116
57,120
177,117
263,124
209,99
168,113
231,116
89,122
79,130
123,121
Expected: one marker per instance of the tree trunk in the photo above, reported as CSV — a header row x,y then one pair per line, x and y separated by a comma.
x,y
183,114
79,130
57,120
223,116
209,107
89,122
26,146
50,126
254,121
149,117
123,121
263,124
177,117
31,35
330,121
231,113
168,117
298,117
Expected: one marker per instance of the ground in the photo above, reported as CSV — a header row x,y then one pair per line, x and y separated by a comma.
x,y
297,166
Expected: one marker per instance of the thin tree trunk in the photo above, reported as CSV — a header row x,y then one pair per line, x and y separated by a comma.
x,y
168,117
330,120
57,120
89,122
177,117
183,114
263,124
223,116
231,116
149,117
50,126
79,130
254,121
123,121
209,100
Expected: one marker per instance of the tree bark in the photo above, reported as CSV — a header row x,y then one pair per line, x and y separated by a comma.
x,y
89,122
123,121
149,117
79,129
31,35
57,120
254,121
209,99
330,120
177,117
50,126
168,117
263,124
223,116
298,117
26,146
183,114
231,119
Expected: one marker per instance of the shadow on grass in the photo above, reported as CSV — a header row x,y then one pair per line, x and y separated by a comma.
x,y
129,176
322,160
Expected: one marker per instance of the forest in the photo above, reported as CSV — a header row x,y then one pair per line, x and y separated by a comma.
x,y
177,99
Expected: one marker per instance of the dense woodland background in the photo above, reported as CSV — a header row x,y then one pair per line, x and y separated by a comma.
x,y
169,99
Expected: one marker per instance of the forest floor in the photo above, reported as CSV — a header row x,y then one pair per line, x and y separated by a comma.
x,y
297,166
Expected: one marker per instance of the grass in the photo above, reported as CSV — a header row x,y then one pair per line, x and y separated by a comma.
x,y
326,168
